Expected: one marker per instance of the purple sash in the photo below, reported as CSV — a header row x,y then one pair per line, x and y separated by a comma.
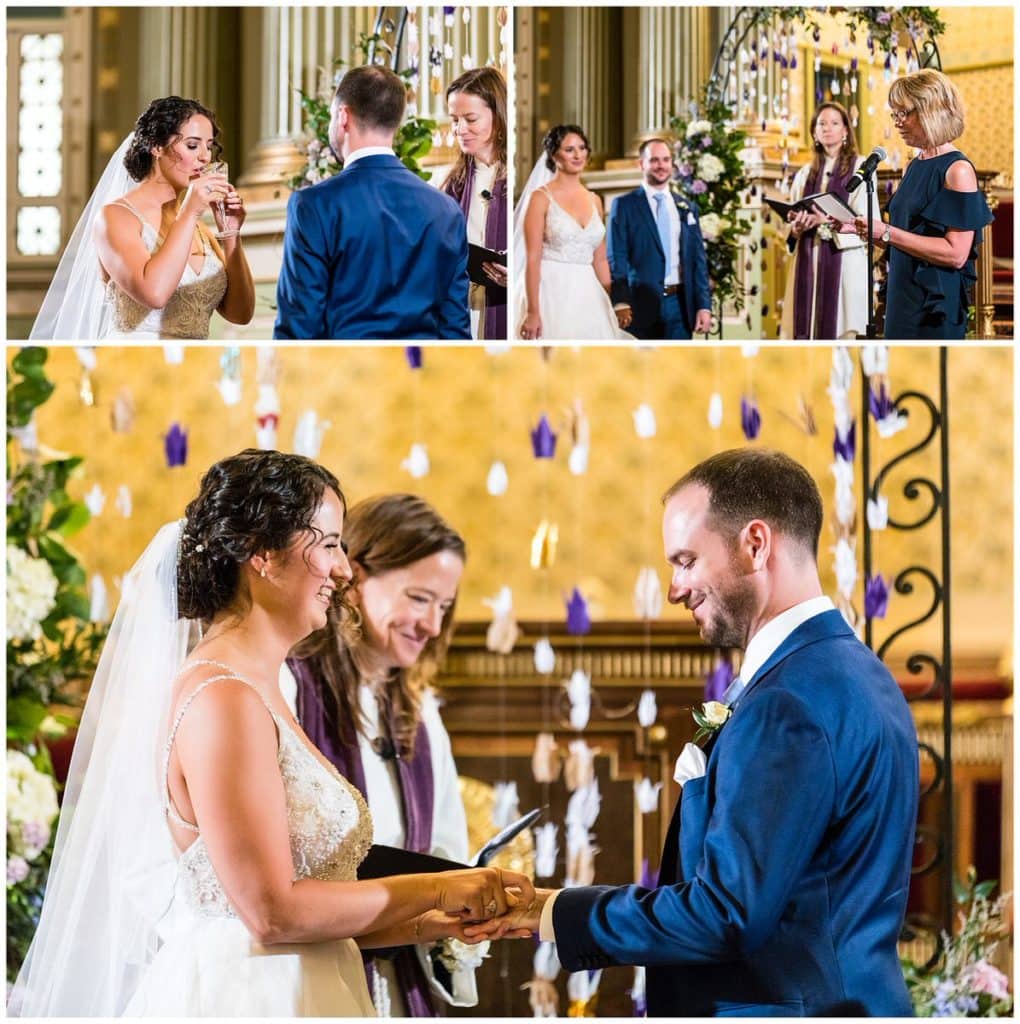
x,y
495,238
318,715
830,269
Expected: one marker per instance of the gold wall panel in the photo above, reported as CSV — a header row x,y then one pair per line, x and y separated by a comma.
x,y
470,408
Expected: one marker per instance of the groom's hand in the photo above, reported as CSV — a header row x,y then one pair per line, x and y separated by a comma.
x,y
703,321
517,922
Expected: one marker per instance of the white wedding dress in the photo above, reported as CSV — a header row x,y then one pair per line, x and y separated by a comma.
x,y
573,304
208,964
186,316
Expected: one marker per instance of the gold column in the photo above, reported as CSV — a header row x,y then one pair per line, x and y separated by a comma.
x,y
674,57
587,76
984,300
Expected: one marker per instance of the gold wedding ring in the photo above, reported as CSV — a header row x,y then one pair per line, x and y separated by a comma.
x,y
490,908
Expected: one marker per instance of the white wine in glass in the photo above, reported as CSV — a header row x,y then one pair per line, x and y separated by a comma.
x,y
220,167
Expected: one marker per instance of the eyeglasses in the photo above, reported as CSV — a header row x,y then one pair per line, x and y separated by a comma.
x,y
899,116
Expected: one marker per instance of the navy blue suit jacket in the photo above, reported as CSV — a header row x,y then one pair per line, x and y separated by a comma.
x,y
792,857
638,263
373,252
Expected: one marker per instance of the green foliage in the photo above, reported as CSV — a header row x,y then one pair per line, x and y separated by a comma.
x,y
882,24
711,132
41,516
963,982
412,142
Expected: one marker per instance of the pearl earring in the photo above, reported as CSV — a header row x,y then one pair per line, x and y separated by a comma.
x,y
262,572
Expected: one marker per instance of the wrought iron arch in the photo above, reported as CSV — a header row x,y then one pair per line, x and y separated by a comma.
x,y
931,498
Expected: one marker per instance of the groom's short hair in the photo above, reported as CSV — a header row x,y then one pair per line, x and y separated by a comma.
x,y
758,483
643,148
374,95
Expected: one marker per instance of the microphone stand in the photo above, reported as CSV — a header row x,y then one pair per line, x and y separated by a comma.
x,y
871,331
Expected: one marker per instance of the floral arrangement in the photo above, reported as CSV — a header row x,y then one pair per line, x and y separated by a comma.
x,y
709,171
413,139
879,24
50,640
964,982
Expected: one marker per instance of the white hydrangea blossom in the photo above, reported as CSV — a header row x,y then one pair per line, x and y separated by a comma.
x,y
710,168
31,806
31,593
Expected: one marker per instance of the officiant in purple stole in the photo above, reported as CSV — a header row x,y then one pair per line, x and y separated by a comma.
x,y
359,689
828,299
476,102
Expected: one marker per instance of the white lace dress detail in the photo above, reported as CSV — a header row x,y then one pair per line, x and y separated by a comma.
x,y
208,963
190,308
329,821
565,240
573,304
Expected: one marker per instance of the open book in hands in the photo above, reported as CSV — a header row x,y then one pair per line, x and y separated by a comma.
x,y
825,203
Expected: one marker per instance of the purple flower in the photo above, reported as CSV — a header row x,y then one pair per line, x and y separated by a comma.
x,y
718,680
578,620
876,597
35,835
750,417
793,62
543,440
699,188
649,879
175,445
449,10
706,141
883,17
845,447
685,170
17,869
414,356
853,63
880,405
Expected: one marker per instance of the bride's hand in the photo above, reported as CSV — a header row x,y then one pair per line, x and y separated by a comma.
x,y
203,192
235,212
476,894
434,925
531,329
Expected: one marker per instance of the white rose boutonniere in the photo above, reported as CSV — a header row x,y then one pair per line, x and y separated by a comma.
x,y
825,231
710,718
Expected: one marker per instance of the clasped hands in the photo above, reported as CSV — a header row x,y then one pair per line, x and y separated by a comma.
x,y
479,904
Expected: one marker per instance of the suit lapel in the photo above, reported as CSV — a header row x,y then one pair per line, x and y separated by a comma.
x,y
646,215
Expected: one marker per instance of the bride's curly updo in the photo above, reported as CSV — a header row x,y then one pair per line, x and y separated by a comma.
x,y
250,502
554,139
159,125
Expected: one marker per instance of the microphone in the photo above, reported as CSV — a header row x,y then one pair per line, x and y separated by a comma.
x,y
486,194
878,154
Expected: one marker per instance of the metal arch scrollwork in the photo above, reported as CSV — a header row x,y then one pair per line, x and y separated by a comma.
x,y
913,487
934,845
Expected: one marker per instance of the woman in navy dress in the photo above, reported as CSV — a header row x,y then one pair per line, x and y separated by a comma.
x,y
935,218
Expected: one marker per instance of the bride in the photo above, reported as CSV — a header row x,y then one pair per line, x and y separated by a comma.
x,y
560,248
205,862
140,264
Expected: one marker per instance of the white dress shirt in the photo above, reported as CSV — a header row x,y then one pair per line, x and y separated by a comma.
x,y
673,256
761,647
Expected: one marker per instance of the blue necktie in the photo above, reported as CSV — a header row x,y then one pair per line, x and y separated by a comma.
x,y
662,223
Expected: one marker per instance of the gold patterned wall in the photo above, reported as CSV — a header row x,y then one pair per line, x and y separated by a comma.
x,y
470,408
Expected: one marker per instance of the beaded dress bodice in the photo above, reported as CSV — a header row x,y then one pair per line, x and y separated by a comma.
x,y
191,306
564,240
329,821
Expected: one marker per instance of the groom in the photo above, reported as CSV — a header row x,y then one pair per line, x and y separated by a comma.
x,y
373,252
657,256
783,882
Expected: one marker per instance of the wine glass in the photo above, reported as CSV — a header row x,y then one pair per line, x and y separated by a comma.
x,y
219,167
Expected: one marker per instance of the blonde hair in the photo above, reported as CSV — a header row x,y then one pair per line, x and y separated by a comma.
x,y
936,100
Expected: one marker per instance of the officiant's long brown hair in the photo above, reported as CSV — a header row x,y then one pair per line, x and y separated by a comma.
x,y
489,86
847,155
384,533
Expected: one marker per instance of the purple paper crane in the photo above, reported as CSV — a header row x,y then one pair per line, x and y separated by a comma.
x,y
876,597
414,356
543,440
717,681
578,620
750,417
175,445
880,405
845,447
